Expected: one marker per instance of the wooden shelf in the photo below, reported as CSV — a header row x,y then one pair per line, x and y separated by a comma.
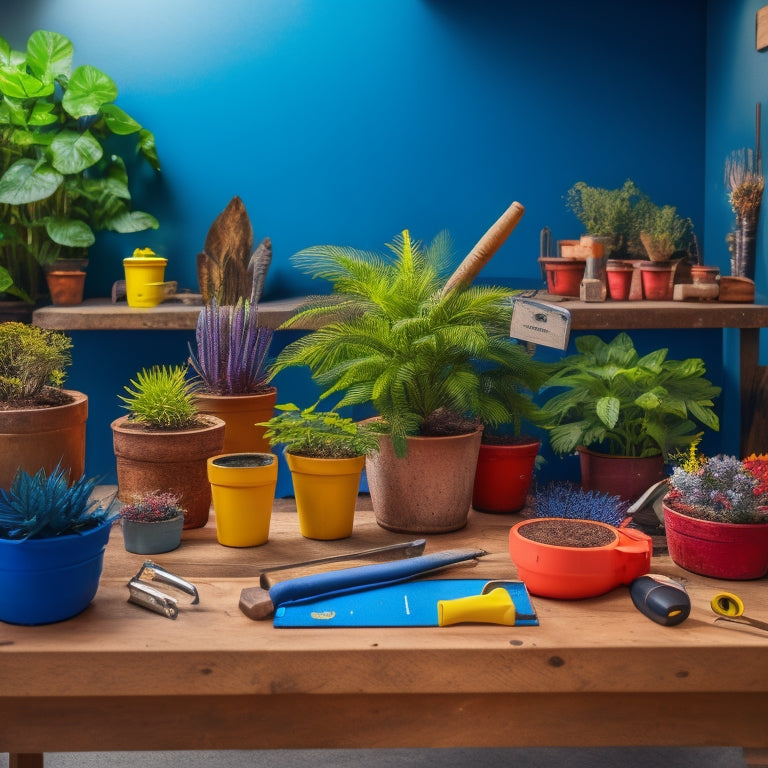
x,y
103,315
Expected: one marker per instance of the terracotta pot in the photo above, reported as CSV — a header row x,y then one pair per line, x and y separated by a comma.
x,y
241,413
619,277
66,287
721,550
243,486
702,275
574,572
326,494
657,280
168,460
624,476
152,538
564,276
35,438
427,491
503,476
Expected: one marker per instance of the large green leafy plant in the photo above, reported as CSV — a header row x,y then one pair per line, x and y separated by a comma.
x,y
390,336
625,404
60,177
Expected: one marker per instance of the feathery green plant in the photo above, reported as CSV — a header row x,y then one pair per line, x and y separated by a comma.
x,y
320,434
42,506
389,337
162,397
31,358
626,404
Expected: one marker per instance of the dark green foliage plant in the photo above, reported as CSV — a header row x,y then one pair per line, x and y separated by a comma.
x,y
42,506
391,337
153,508
320,434
624,404
162,397
60,177
31,359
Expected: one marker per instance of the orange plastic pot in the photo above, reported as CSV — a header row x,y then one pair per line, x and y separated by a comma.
x,y
570,573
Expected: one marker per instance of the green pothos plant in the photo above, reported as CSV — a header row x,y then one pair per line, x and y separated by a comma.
x,y
61,179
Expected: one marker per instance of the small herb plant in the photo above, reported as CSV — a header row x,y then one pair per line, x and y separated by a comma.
x,y
720,488
624,404
153,508
162,397
320,434
31,359
42,506
231,349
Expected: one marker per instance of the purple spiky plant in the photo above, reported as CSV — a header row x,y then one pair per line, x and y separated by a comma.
x,y
571,501
231,349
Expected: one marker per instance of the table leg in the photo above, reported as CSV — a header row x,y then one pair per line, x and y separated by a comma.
x,y
25,760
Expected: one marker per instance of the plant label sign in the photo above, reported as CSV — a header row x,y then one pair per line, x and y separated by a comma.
x,y
540,323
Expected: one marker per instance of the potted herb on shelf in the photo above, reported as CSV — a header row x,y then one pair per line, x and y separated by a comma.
x,y
152,524
396,337
229,359
625,413
326,455
42,425
716,515
52,541
164,443
59,184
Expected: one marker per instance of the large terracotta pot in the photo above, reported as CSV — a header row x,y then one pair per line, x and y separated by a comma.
x,y
241,413
503,476
568,571
168,460
624,476
721,550
35,438
427,491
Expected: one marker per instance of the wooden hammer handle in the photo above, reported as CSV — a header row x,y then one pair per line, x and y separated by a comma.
x,y
488,244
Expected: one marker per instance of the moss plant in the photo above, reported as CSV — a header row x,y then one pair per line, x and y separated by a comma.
x,y
162,397
31,359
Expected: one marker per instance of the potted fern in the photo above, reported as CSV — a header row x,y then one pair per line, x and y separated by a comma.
x,y
625,413
164,443
52,540
59,184
716,515
326,455
152,523
229,359
392,337
42,424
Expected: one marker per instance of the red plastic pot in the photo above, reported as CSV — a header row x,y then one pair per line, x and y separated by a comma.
x,y
657,280
570,573
564,276
721,550
619,279
503,476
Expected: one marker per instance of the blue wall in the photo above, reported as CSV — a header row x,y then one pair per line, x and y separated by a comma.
x,y
345,121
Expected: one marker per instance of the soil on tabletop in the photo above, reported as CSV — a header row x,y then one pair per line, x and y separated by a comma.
x,y
567,533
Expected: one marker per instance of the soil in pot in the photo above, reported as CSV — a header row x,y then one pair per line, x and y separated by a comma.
x,y
568,533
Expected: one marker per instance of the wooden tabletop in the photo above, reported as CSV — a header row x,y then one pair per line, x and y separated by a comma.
x,y
595,672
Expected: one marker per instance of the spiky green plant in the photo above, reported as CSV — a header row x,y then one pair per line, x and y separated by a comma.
x,y
31,359
320,434
162,397
389,337
42,505
626,404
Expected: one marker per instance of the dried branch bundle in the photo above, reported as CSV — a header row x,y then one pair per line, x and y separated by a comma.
x,y
744,182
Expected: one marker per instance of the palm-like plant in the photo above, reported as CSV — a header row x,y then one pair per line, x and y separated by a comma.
x,y
392,338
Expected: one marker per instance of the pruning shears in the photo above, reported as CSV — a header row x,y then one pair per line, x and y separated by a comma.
x,y
730,607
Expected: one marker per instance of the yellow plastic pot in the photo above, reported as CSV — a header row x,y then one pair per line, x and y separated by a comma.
x,y
242,489
144,280
326,494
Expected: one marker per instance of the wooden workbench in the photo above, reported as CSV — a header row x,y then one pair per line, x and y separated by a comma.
x,y
595,672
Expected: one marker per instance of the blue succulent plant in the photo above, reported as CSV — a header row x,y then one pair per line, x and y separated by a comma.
x,y
572,502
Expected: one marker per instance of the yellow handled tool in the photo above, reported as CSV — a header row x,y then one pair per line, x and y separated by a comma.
x,y
494,605
730,607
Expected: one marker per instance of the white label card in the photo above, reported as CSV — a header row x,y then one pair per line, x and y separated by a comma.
x,y
540,323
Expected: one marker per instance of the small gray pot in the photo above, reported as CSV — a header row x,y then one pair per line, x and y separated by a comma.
x,y
152,538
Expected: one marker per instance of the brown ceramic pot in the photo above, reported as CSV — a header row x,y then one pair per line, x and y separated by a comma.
x,y
427,491
241,413
624,476
35,438
66,287
169,460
